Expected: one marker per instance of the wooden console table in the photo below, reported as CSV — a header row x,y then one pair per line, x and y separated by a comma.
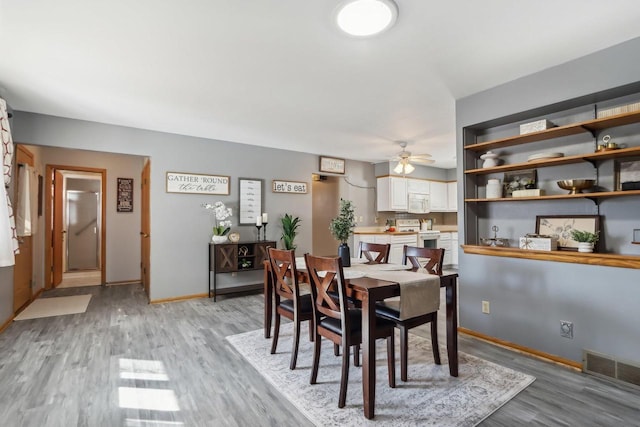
x,y
236,257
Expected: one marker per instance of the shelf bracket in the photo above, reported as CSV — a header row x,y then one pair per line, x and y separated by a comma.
x,y
595,200
593,162
591,131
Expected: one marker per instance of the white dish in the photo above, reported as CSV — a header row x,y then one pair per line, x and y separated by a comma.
x,y
541,156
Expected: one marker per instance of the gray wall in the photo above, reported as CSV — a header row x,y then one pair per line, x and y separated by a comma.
x,y
180,227
529,298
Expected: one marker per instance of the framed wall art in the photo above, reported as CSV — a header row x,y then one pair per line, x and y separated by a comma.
x,y
196,183
628,174
250,197
124,199
294,187
518,180
331,165
561,226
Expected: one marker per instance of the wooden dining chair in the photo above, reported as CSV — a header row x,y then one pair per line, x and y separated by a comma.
x,y
287,299
338,323
429,259
374,252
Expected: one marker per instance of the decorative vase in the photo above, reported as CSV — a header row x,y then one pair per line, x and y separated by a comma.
x,y
585,247
345,254
218,239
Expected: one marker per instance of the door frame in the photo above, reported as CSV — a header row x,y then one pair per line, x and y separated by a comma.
x,y
49,208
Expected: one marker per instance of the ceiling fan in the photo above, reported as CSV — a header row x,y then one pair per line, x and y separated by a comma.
x,y
405,158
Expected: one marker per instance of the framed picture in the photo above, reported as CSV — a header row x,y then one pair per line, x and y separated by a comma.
x,y
561,226
331,165
197,183
125,195
628,174
250,200
518,180
294,187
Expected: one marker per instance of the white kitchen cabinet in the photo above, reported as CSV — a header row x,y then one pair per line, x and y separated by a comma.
x,y
452,196
444,242
421,186
454,249
438,196
392,194
397,242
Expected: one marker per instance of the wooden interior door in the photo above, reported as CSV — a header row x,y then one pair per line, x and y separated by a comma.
x,y
58,229
23,269
145,232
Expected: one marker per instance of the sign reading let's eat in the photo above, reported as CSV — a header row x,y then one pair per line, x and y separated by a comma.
x,y
289,187
178,182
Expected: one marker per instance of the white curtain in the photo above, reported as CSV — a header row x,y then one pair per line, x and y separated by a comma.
x,y
8,236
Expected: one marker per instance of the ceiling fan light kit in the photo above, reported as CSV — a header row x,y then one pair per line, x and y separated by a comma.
x,y
404,159
365,18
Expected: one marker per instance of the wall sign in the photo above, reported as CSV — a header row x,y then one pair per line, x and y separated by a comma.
x,y
331,165
250,200
125,195
294,187
194,183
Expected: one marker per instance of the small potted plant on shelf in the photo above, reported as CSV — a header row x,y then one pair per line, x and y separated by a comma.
x,y
341,228
289,230
585,239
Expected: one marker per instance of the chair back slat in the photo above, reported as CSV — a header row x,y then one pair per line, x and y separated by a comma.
x,y
331,278
377,253
284,274
433,256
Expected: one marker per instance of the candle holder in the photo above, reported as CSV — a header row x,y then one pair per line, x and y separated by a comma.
x,y
258,227
264,232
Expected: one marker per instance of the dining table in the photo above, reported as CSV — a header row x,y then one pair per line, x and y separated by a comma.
x,y
368,291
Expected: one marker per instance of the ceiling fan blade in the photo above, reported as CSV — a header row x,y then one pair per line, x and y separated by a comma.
x,y
422,161
420,156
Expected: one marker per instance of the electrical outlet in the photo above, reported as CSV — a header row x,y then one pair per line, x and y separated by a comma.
x,y
566,329
485,307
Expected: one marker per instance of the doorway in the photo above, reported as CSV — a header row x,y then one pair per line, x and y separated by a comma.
x,y
75,226
325,192
81,223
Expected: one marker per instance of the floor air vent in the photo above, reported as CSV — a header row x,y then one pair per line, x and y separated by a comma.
x,y
607,366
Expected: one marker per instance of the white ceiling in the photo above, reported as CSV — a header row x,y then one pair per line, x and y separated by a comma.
x,y
277,73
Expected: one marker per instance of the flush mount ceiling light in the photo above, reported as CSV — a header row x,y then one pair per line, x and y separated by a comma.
x,y
364,18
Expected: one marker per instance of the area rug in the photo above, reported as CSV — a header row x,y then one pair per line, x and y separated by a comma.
x,y
57,306
431,397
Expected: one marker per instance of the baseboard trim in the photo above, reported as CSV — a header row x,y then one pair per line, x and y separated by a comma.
x,y
6,324
522,349
38,292
176,299
124,282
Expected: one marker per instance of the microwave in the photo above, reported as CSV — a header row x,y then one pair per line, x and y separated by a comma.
x,y
418,203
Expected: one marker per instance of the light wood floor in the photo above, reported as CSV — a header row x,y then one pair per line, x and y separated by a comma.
x,y
75,279
127,363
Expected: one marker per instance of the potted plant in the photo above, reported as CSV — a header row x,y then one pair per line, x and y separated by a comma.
x,y
341,228
585,239
289,230
222,225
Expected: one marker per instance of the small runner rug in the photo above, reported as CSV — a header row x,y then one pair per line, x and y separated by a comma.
x,y
431,397
56,306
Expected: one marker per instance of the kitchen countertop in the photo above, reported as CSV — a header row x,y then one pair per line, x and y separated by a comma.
x,y
394,233
446,228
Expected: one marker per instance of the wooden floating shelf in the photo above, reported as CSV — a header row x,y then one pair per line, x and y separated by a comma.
x,y
599,195
560,131
608,260
558,161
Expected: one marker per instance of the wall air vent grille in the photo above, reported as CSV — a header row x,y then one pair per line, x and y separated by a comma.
x,y
609,367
